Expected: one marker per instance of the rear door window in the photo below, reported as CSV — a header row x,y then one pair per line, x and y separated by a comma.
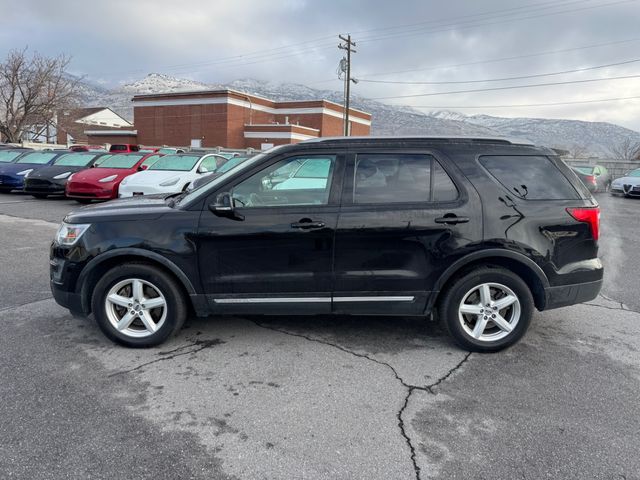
x,y
401,178
531,177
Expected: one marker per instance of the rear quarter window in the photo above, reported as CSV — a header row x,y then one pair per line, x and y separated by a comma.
x,y
530,177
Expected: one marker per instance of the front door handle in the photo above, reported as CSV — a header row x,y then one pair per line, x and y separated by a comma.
x,y
451,219
307,224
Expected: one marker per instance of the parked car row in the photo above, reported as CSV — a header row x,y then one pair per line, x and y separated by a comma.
x,y
597,179
88,175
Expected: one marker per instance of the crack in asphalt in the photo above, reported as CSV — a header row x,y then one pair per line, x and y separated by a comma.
x,y
409,387
201,344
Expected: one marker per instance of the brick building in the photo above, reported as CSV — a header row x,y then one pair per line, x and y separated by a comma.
x,y
232,119
72,124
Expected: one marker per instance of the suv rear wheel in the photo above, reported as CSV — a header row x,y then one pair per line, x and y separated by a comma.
x,y
487,309
138,305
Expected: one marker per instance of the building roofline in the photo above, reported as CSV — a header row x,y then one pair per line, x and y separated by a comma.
x,y
107,133
142,97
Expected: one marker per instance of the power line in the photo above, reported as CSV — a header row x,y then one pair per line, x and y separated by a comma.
x,y
552,104
502,10
513,87
279,53
463,27
521,77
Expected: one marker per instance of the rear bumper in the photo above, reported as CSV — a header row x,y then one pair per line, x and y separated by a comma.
x,y
565,295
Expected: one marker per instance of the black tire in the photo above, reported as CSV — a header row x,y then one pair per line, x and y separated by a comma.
x,y
450,319
176,307
84,201
39,196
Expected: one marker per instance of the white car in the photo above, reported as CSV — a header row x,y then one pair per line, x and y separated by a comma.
x,y
170,174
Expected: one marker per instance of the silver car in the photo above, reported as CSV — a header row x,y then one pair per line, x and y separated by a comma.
x,y
629,185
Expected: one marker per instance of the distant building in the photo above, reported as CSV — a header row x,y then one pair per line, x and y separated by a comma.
x,y
72,124
232,119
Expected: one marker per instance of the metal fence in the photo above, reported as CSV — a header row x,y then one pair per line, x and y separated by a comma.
x,y
617,168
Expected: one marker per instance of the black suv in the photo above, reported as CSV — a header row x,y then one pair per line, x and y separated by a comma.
x,y
475,232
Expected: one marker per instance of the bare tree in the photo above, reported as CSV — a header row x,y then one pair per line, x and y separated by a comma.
x,y
626,149
578,150
32,88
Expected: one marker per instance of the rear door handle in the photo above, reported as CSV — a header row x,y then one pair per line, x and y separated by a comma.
x,y
451,219
306,224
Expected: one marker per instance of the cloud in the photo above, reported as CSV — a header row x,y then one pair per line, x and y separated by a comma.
x,y
296,40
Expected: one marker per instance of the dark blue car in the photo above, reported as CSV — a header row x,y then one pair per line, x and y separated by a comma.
x,y
12,174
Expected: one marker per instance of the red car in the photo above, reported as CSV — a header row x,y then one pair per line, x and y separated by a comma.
x,y
123,148
102,180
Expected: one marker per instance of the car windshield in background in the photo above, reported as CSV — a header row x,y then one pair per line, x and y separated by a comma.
x,y
233,162
37,158
7,156
120,161
585,170
634,173
180,163
75,159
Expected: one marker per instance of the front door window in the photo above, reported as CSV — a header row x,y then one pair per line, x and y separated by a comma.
x,y
303,180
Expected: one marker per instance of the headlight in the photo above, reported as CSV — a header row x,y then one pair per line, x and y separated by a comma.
x,y
62,175
108,179
69,233
25,173
171,181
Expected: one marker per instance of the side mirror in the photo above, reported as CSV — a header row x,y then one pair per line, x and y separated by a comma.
x,y
202,169
142,167
224,207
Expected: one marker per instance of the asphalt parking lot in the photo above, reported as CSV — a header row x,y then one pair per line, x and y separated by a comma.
x,y
352,398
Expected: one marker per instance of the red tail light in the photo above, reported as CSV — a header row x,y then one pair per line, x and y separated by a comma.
x,y
588,215
591,179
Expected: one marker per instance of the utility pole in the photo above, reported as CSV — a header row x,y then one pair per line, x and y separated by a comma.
x,y
348,46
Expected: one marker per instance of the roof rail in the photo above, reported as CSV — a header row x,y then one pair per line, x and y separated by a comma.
x,y
452,138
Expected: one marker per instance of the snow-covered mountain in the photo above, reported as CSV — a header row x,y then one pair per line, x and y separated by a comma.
x,y
589,137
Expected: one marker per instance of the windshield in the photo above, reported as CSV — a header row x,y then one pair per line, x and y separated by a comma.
x,y
8,156
181,163
634,173
75,159
120,161
204,188
39,158
585,170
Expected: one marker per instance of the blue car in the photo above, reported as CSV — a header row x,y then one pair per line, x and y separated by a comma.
x,y
12,174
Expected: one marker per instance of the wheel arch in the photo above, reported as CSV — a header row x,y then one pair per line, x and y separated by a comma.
x,y
524,267
108,260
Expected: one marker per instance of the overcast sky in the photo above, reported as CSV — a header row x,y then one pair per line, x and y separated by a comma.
x,y
119,41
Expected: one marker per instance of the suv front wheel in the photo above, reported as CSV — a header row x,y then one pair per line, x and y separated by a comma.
x,y
138,305
487,309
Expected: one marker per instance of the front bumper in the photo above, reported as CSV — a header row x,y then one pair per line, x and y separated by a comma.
x,y
126,191
10,182
37,185
70,300
88,190
627,190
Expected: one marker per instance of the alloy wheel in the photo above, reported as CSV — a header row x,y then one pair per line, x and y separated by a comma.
x,y
136,308
489,312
